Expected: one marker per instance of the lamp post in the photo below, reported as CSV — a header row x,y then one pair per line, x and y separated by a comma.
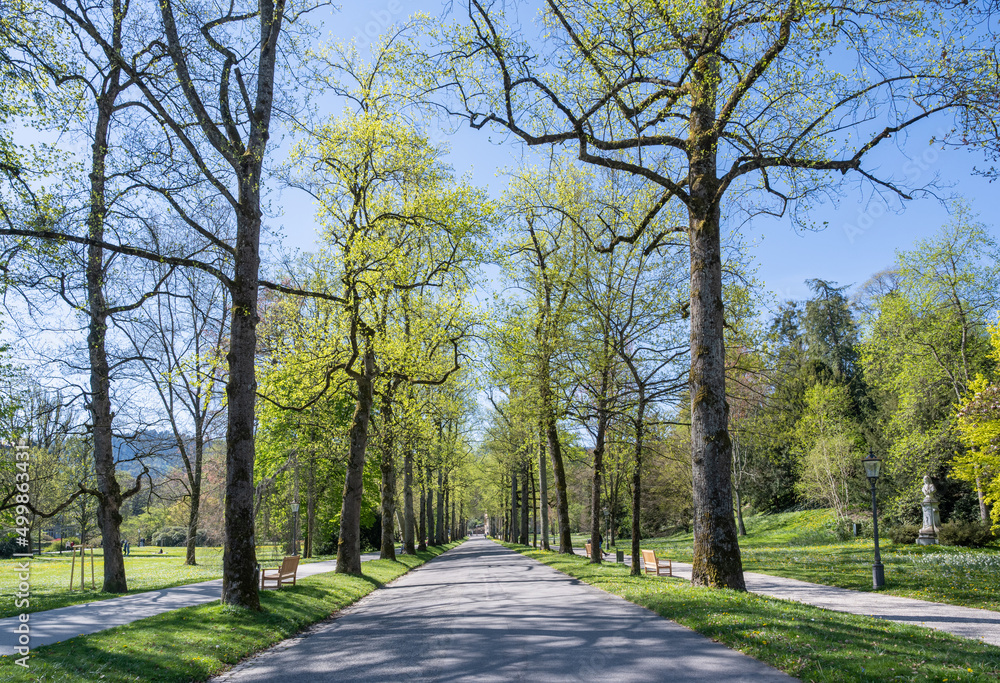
x,y
295,527
872,467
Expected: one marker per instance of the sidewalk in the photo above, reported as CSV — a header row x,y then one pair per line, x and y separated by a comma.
x,y
967,622
52,626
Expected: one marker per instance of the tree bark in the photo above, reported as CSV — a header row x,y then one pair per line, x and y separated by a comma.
x,y
524,504
511,536
422,528
194,510
596,483
716,559
109,501
534,512
239,584
388,468
430,505
640,428
408,522
984,514
310,532
543,485
349,545
439,531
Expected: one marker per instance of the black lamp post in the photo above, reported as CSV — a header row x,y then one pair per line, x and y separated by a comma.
x,y
295,527
872,467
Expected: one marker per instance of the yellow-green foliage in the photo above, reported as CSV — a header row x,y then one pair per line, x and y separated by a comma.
x,y
978,421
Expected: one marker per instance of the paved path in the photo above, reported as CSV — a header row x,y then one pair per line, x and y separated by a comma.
x,y
52,626
481,612
967,622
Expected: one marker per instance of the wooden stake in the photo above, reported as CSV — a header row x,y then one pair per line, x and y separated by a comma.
x,y
72,566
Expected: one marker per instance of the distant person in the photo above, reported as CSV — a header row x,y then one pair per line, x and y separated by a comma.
x,y
141,539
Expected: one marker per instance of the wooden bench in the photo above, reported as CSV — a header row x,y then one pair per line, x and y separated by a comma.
x,y
586,549
287,570
651,565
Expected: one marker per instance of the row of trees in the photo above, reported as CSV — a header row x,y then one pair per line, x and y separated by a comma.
x,y
699,113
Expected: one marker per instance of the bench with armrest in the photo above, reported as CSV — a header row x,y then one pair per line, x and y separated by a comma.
x,y
652,565
283,574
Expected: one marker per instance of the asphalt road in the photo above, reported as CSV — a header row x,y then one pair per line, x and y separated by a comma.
x,y
483,613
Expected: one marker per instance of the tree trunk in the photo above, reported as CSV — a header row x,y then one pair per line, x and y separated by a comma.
x,y
192,531
439,531
596,483
511,536
984,514
295,515
640,428
239,578
430,506
310,507
408,545
349,545
739,513
534,512
524,504
716,559
109,501
422,528
555,453
388,467
543,485
447,530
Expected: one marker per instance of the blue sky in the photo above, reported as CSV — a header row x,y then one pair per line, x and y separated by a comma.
x,y
863,233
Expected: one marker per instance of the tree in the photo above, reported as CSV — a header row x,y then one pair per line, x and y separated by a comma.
x,y
708,100
832,445
925,341
397,227
978,422
226,147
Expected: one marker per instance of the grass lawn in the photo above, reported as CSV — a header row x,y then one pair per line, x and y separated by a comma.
x,y
194,643
801,545
145,570
806,642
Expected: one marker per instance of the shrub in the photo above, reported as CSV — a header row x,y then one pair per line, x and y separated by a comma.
x,y
966,534
904,534
176,536
8,546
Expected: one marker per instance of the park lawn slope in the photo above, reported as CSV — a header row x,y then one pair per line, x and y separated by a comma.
x,y
804,641
804,545
194,643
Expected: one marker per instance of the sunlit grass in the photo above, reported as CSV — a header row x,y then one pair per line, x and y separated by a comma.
x,y
194,643
801,545
145,569
807,642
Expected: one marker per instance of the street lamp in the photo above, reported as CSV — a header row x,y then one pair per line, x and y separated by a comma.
x,y
872,467
295,527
